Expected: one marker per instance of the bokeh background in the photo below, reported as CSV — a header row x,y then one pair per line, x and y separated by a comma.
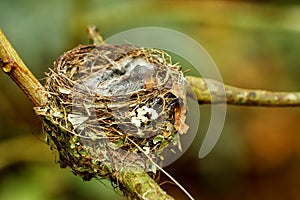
x,y
256,44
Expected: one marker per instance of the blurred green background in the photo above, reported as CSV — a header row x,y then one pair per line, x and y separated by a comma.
x,y
256,44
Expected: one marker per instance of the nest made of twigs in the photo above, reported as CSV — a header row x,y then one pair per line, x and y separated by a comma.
x,y
114,106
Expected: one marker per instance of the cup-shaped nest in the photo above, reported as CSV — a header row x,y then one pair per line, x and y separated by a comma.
x,y
114,106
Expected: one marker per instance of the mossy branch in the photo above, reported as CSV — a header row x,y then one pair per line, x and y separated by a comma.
x,y
141,185
209,91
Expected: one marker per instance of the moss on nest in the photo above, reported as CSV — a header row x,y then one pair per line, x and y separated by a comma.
x,y
113,107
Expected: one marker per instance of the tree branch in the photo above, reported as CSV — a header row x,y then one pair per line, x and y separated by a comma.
x,y
12,64
240,96
141,185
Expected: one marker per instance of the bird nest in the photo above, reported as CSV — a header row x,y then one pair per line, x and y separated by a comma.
x,y
114,106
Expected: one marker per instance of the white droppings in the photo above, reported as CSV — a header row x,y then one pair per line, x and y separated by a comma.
x,y
146,150
141,116
154,114
144,119
142,111
136,121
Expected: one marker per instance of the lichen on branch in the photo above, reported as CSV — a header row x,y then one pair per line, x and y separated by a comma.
x,y
209,91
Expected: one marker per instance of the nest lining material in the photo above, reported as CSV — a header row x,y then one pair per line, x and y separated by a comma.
x,y
112,104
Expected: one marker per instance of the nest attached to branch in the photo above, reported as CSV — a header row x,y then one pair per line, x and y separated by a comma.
x,y
112,107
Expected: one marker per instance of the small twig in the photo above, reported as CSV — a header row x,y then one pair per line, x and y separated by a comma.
x,y
209,91
12,64
94,35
